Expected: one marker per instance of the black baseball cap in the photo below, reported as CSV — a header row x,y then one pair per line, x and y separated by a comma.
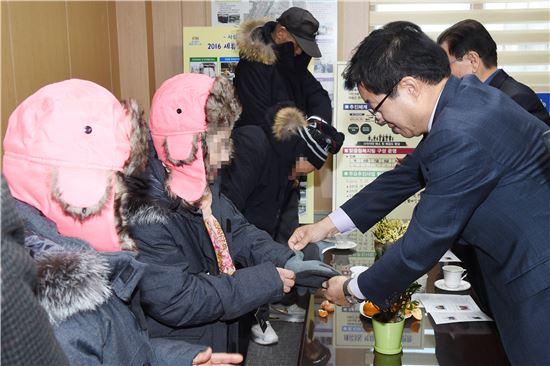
x,y
303,26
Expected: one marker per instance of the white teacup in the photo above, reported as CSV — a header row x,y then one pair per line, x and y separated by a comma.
x,y
452,275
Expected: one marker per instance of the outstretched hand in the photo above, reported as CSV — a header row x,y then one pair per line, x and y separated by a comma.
x,y
333,290
311,233
207,358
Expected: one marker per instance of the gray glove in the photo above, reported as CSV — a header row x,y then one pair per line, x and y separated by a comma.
x,y
310,274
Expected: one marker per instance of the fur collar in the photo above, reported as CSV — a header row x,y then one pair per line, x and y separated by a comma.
x,y
70,282
252,45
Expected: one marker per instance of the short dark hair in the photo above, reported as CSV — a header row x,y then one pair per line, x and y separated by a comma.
x,y
401,24
470,35
392,52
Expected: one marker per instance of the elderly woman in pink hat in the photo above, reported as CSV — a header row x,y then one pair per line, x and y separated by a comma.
x,y
223,267
67,151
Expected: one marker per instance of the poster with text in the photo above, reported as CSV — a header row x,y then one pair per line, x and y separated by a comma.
x,y
210,51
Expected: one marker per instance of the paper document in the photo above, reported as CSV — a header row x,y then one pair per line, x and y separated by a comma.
x,y
451,308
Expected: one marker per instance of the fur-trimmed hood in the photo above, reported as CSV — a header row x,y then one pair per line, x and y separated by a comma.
x,y
75,281
252,43
69,282
72,277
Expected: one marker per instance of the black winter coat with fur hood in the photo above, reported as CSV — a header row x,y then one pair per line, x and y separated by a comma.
x,y
274,87
93,302
184,295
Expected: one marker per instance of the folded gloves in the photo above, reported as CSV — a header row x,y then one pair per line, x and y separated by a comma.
x,y
310,274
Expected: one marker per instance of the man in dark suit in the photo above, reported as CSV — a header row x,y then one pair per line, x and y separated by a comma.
x,y
486,182
472,50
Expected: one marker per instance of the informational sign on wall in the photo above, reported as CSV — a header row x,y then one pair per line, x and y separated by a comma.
x,y
210,51
213,51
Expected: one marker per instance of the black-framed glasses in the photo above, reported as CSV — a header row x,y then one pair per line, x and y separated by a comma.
x,y
375,110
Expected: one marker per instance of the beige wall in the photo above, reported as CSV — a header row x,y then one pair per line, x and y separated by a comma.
x,y
45,42
129,47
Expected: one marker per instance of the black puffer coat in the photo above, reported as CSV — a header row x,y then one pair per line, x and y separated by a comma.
x,y
184,295
92,300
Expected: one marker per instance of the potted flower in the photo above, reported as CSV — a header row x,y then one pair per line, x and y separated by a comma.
x,y
386,232
388,323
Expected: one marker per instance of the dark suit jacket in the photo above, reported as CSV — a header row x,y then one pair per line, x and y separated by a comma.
x,y
521,94
487,181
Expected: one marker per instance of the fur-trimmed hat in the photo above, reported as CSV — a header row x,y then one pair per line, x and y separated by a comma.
x,y
64,149
184,109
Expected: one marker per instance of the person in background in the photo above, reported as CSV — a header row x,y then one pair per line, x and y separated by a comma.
x,y
275,86
222,266
474,162
472,50
27,336
67,151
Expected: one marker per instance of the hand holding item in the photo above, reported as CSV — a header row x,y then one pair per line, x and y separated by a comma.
x,y
207,358
333,290
310,274
311,233
287,277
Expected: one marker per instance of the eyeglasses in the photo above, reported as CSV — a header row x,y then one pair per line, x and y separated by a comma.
x,y
375,110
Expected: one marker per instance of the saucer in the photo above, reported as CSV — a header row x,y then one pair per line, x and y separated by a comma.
x,y
464,285
332,244
345,245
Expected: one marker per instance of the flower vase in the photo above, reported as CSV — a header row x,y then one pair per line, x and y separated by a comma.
x,y
387,360
388,337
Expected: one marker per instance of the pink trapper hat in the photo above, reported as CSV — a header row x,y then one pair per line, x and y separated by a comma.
x,y
61,148
178,123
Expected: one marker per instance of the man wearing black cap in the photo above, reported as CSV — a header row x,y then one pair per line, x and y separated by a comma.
x,y
284,130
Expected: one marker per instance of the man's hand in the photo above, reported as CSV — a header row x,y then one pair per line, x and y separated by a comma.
x,y
288,277
207,358
333,290
311,233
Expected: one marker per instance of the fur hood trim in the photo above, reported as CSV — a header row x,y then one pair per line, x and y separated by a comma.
x,y
138,141
136,164
288,122
70,282
142,207
251,44
222,105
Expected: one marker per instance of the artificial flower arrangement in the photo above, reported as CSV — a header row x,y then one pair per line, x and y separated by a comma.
x,y
386,233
